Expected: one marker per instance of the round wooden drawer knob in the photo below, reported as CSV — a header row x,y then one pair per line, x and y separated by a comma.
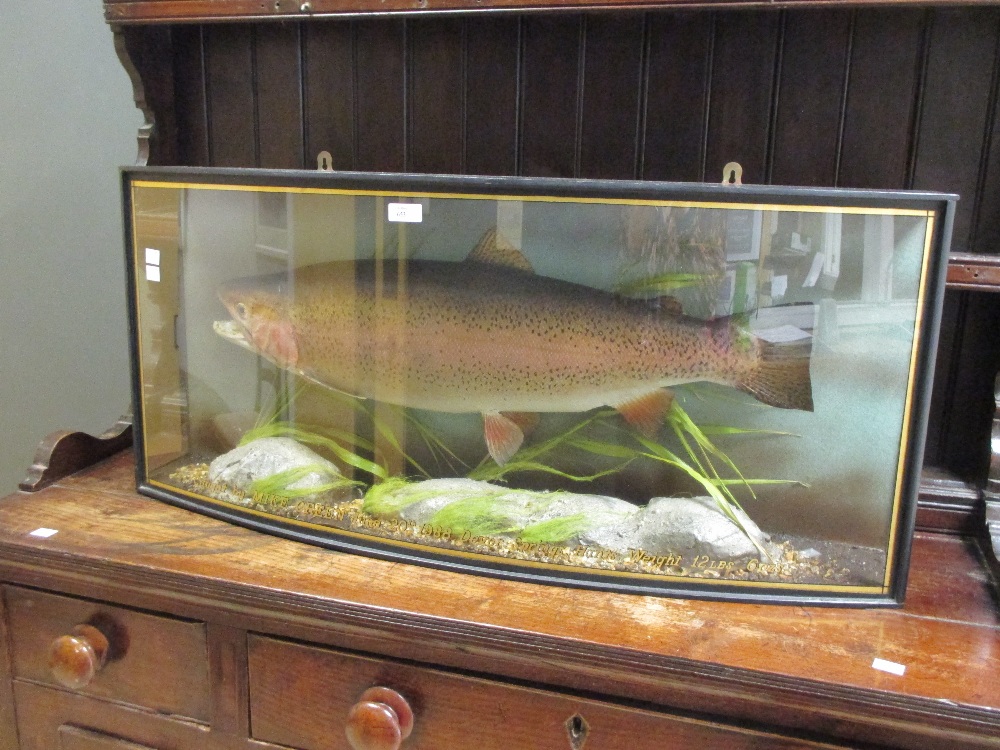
x,y
76,658
380,720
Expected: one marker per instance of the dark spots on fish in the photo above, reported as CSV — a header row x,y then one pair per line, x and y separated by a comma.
x,y
443,326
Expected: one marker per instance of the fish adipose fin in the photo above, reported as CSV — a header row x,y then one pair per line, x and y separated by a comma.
x,y
781,376
648,412
494,248
503,437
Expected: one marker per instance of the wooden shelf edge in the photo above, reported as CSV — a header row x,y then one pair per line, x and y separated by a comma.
x,y
65,452
201,11
977,273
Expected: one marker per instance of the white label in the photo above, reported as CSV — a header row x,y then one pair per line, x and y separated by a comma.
x,y
410,213
779,285
889,666
152,273
152,256
814,270
782,334
43,532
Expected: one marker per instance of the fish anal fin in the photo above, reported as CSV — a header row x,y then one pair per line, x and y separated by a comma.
x,y
781,375
503,437
647,412
496,249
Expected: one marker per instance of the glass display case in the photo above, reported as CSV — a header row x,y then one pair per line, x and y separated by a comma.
x,y
700,390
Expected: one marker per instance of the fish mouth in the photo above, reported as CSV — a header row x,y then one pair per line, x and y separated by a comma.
x,y
233,332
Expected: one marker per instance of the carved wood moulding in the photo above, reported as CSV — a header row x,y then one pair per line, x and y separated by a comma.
x,y
174,11
66,452
991,494
978,273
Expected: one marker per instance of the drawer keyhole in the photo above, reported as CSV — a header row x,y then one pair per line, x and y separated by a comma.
x,y
577,728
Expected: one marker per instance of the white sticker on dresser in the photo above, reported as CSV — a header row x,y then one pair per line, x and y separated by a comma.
x,y
889,666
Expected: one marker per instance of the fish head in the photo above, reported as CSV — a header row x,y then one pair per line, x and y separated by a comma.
x,y
261,310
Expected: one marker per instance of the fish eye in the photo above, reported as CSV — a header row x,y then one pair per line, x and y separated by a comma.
x,y
241,311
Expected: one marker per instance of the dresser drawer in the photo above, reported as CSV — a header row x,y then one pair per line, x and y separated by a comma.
x,y
155,662
301,695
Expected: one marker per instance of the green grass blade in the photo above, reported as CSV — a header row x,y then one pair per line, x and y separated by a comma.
x,y
279,484
659,453
280,429
555,530
658,285
718,429
494,473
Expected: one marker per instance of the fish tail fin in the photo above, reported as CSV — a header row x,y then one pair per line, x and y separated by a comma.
x,y
780,376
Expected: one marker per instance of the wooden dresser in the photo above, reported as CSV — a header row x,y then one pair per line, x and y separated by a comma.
x,y
221,637
217,637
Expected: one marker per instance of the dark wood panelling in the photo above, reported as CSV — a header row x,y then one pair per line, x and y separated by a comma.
x,y
329,93
611,105
743,67
140,50
881,98
676,96
380,80
549,95
986,233
872,97
191,102
975,356
953,118
278,96
492,64
232,133
436,95
810,95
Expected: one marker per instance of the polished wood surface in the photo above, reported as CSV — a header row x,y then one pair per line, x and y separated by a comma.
x,y
172,678
46,718
801,669
294,705
76,658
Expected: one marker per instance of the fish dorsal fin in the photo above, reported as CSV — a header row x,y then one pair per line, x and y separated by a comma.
x,y
494,248
669,305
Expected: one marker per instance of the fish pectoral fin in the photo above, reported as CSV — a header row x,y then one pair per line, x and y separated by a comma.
x,y
647,412
494,248
309,377
503,437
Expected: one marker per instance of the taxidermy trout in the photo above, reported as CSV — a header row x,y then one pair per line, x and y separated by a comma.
x,y
489,336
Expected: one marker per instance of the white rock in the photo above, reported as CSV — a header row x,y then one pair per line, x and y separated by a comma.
x,y
265,457
695,524
666,525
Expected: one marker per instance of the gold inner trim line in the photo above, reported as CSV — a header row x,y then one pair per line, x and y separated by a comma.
x,y
543,199
593,573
